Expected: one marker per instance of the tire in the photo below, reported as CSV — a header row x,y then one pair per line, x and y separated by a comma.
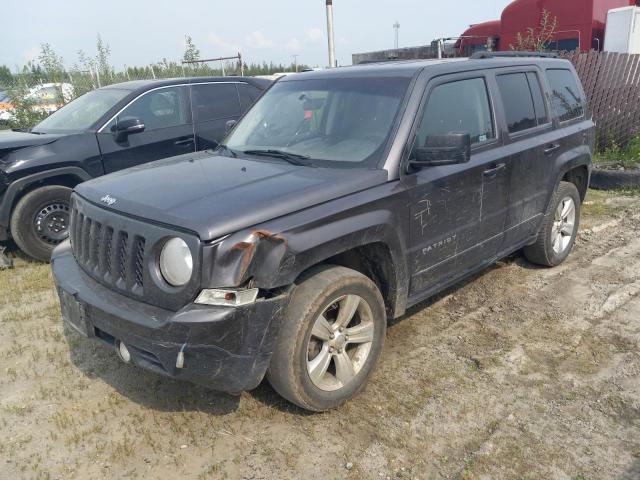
x,y
613,179
328,291
545,251
40,221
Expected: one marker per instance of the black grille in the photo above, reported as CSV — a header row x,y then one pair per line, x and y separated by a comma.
x,y
112,256
120,252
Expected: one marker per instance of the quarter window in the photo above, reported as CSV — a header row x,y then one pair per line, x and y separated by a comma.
x,y
523,101
566,97
214,101
459,107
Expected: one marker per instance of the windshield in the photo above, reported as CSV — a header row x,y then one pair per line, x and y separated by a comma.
x,y
82,113
333,122
3,96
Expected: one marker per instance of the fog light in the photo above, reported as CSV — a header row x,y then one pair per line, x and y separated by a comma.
x,y
227,298
123,352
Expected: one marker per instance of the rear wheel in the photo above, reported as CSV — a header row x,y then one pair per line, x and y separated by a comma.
x,y
40,221
330,340
559,228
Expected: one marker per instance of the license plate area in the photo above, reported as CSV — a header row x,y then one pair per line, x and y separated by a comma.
x,y
74,314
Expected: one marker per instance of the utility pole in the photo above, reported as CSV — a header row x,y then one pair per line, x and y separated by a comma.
x,y
396,27
295,61
332,46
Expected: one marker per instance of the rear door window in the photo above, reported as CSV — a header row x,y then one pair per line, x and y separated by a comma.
x,y
214,101
566,98
523,101
459,107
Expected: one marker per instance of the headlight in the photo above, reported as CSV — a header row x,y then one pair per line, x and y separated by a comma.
x,y
176,262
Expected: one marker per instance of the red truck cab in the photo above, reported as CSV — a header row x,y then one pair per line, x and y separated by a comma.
x,y
581,25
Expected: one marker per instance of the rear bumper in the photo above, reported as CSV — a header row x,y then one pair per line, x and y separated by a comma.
x,y
226,349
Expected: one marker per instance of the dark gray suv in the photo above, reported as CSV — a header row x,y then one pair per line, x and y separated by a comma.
x,y
342,198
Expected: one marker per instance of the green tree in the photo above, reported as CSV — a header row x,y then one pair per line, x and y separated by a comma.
x,y
191,52
103,63
6,78
52,63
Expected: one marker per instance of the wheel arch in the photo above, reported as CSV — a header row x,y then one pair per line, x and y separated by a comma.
x,y
67,177
375,262
579,176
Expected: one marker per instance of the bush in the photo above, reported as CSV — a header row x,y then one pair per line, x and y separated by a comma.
x,y
628,156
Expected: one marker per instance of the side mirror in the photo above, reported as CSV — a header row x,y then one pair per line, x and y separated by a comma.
x,y
445,149
127,126
230,125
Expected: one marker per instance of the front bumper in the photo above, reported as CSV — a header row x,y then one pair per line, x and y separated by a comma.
x,y
226,349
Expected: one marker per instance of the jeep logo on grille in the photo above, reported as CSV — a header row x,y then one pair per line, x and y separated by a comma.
x,y
108,200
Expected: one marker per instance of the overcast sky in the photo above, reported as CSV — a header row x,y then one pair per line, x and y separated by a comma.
x,y
140,32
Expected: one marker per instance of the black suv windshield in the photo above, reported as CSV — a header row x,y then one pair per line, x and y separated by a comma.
x,y
332,122
79,115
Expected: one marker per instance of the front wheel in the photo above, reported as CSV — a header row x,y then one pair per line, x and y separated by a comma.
x,y
40,221
330,340
559,228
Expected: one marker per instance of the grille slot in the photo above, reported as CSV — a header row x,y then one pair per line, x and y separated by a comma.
x,y
139,261
123,247
108,249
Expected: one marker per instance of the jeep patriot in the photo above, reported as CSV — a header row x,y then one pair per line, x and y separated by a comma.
x,y
339,200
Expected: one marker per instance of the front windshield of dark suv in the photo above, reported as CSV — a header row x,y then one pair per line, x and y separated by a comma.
x,y
331,122
79,115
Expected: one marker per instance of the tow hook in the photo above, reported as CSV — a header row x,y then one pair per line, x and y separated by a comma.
x,y
180,358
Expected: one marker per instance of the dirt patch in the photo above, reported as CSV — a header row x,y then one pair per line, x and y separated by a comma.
x,y
520,372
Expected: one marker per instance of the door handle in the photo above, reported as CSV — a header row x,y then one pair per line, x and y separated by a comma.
x,y
493,171
183,141
551,148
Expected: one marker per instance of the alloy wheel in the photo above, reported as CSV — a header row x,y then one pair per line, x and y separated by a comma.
x,y
340,343
564,225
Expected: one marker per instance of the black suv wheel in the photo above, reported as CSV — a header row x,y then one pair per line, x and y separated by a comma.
x,y
330,340
559,228
40,221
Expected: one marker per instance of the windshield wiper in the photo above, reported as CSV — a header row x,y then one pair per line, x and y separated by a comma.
x,y
292,158
224,148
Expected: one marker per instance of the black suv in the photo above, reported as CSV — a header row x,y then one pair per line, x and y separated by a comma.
x,y
342,198
104,131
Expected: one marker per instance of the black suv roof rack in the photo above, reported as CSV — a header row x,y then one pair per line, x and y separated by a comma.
x,y
483,55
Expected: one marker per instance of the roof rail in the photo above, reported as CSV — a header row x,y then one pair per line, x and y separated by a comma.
x,y
484,55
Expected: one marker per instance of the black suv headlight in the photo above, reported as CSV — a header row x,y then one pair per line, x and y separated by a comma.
x,y
176,262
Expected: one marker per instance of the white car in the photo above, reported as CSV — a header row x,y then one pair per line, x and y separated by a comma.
x,y
47,97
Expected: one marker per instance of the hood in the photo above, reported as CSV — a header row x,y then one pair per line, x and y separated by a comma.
x,y
215,195
11,140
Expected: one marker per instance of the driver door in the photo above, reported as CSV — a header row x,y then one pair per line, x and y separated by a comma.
x,y
458,211
168,130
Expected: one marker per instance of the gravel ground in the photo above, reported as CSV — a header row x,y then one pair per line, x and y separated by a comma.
x,y
520,372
